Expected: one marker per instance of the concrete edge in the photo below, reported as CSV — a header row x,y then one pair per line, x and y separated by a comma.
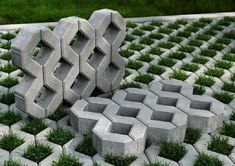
x,y
10,27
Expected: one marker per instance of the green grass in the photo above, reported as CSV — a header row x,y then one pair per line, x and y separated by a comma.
x,y
11,163
177,55
173,26
203,37
196,43
181,21
138,32
148,27
227,129
167,45
165,30
200,60
224,41
6,56
179,75
229,87
127,73
8,36
8,68
10,141
175,39
198,90
205,81
156,23
199,24
155,69
187,49
85,146
58,114
144,78
229,57
223,64
172,151
192,67
205,20
67,160
208,53
192,29
136,65
217,27
6,45
185,34
224,97
9,117
130,85
136,47
157,164
37,152
130,24
230,35
216,46
146,40
167,62
192,135
126,53
232,116
7,98
157,36
9,82
206,160
145,58
233,77
34,126
119,160
60,136
129,38
155,51
215,72
220,145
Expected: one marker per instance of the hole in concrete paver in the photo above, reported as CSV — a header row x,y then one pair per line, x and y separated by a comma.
x,y
41,53
167,101
79,41
200,105
162,116
135,97
44,97
129,112
120,128
96,92
95,108
111,32
111,72
62,69
95,59
171,88
80,84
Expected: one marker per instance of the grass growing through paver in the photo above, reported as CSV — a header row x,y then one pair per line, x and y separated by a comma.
x,y
190,67
223,64
156,23
129,38
196,43
192,135
145,58
167,45
146,40
229,87
157,36
144,78
8,36
8,68
172,151
179,75
126,53
224,41
136,47
134,64
9,82
165,30
6,45
155,69
187,49
127,73
7,98
233,77
119,160
224,97
208,53
206,160
155,51
167,62
10,141
185,34
205,81
215,72
232,116
175,39
203,37
11,163
67,160
130,85
130,24
9,117
198,90
200,60
60,136
216,46
34,126
229,57
220,145
137,32
177,55
148,27
6,56
58,114
37,152
228,129
85,146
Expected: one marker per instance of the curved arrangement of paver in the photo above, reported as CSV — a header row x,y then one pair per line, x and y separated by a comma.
x,y
161,113
75,60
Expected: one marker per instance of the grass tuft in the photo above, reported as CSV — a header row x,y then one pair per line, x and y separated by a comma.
x,y
85,147
208,53
136,47
7,98
119,160
155,51
9,82
198,90
206,160
126,53
227,129
146,40
223,64
224,97
9,117
190,67
155,69
187,49
130,24
205,81
157,36
192,135
200,60
34,126
215,72
145,58
10,141
230,87
167,62
133,64
6,56
8,36
11,163
220,145
130,85
8,68
179,75
67,160
60,136
137,32
144,78
177,55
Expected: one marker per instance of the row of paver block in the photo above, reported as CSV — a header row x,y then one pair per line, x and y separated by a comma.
x,y
161,113
73,61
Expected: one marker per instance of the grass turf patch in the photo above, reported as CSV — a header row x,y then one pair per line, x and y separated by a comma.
x,y
133,64
34,126
119,160
198,90
190,67
177,55
206,160
230,87
167,62
220,145
67,160
172,151
126,53
7,98
144,78
85,146
8,68
208,53
192,135
6,56
130,85
227,129
9,117
136,47
205,81
224,97
223,64
155,51
155,69
157,164
10,141
179,75
146,40
58,114
157,36
215,72
11,163
9,82
145,58
59,136
200,60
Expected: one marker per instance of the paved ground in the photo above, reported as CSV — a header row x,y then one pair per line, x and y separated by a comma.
x,y
199,52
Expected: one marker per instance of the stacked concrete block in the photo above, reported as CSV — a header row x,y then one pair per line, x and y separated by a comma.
x,y
71,62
